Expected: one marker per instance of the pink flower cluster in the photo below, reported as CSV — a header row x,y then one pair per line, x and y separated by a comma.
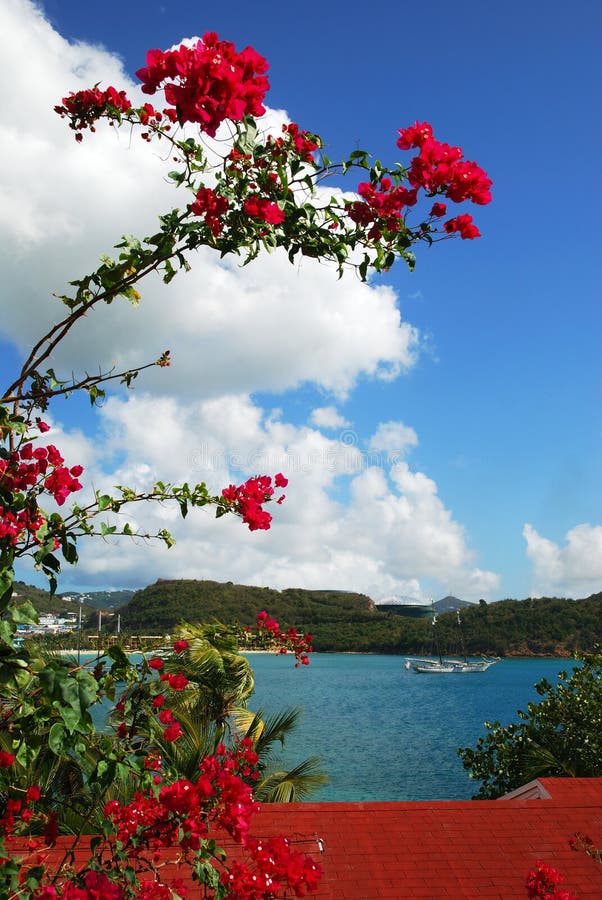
x,y
382,208
28,471
17,809
276,867
542,881
85,107
247,499
182,812
302,143
260,208
212,207
208,82
97,886
260,172
441,168
438,168
463,225
288,641
185,813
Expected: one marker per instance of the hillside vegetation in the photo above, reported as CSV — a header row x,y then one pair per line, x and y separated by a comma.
x,y
45,602
346,621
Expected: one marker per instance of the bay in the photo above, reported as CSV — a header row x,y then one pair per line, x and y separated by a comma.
x,y
382,732
385,733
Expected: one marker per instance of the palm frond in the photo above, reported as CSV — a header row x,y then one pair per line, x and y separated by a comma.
x,y
265,732
293,786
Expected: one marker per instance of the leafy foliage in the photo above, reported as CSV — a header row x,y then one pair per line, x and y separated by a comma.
x,y
561,736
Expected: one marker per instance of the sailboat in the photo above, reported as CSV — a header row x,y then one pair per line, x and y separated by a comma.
x,y
444,666
465,666
433,666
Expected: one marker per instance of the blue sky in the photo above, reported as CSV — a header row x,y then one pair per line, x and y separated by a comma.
x,y
500,494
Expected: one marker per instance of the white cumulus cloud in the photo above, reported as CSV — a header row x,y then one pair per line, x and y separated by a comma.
x,y
391,535
346,523
328,417
269,326
571,570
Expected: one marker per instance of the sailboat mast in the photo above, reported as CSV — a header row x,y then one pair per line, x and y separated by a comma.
x,y
463,642
436,638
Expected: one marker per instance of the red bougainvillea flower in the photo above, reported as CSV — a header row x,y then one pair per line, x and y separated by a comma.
x,y
469,182
99,887
439,209
414,136
177,682
6,759
441,169
180,646
260,208
156,663
85,107
247,500
33,793
463,225
172,732
303,142
208,82
212,207
381,206
542,882
291,640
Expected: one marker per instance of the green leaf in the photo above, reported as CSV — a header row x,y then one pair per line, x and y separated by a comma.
x,y
24,614
50,562
71,717
118,656
6,586
58,740
88,689
69,552
95,393
7,630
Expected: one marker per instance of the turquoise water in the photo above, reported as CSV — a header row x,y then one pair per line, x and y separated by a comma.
x,y
385,733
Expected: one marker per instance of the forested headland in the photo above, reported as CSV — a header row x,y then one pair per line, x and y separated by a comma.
x,y
342,621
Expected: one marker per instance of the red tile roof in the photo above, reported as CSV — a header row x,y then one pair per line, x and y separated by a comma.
x,y
445,849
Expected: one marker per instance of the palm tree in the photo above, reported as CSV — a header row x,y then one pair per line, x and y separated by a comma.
x,y
279,785
214,702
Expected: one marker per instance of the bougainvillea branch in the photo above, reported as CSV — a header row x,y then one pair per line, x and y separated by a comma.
x,y
241,189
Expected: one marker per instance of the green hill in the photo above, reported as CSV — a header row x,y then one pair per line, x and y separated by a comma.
x,y
163,604
344,621
45,603
350,622
101,599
